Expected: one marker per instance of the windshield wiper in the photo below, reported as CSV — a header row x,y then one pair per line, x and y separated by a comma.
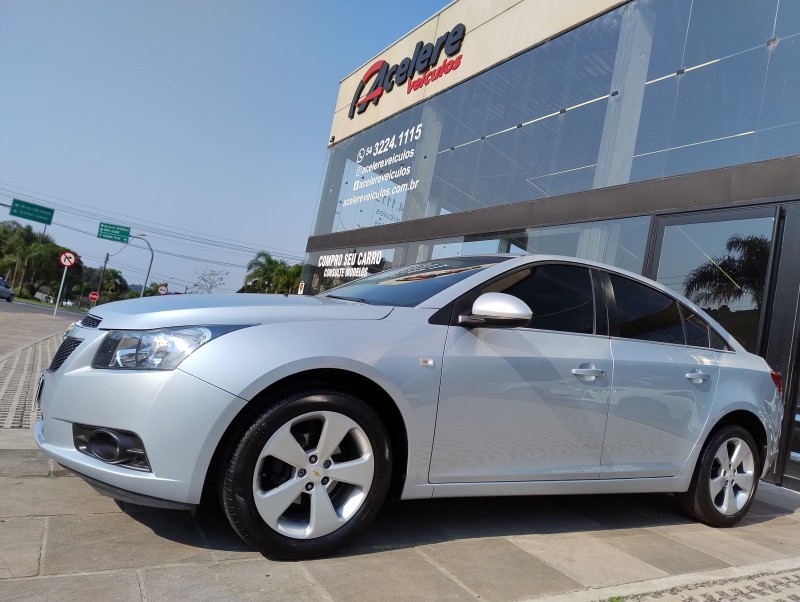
x,y
356,299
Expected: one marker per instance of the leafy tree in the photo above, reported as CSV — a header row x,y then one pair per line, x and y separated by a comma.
x,y
266,274
114,286
742,271
261,272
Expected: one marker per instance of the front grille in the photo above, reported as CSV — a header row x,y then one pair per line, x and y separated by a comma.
x,y
90,321
68,346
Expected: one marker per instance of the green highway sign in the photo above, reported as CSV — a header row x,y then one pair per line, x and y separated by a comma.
x,y
114,232
31,211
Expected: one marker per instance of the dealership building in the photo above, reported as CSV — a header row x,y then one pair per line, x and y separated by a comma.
x,y
660,136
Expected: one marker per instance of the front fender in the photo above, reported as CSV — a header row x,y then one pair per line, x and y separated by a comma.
x,y
389,353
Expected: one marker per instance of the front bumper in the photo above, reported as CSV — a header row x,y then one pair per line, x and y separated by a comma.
x,y
179,418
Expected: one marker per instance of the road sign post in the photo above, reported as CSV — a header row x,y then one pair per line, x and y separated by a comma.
x,y
67,259
114,232
31,211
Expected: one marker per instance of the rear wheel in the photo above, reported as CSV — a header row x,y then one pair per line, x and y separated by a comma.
x,y
308,475
726,479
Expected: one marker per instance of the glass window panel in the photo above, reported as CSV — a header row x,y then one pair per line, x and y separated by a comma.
x,y
782,141
558,240
645,313
574,180
618,242
719,28
658,110
537,147
710,155
722,267
462,172
788,21
781,103
450,247
495,165
560,298
592,62
579,136
669,34
721,99
549,72
648,167
504,107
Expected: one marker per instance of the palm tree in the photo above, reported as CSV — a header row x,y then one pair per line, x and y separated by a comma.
x,y
729,278
261,272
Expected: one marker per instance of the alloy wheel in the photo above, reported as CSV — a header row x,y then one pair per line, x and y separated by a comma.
x,y
313,475
732,476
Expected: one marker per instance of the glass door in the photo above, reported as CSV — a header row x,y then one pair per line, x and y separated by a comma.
x,y
719,260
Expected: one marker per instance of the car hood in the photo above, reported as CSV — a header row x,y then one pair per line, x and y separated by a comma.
x,y
239,309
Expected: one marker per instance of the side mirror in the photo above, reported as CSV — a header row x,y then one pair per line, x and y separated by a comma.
x,y
497,309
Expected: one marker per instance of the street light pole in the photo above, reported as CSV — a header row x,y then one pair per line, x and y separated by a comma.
x,y
146,278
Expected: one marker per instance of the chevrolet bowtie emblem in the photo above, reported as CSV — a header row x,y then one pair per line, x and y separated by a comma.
x,y
316,474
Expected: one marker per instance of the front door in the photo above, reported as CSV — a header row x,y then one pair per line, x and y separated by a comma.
x,y
510,407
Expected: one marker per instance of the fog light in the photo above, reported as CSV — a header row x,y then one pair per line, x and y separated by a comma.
x,y
122,448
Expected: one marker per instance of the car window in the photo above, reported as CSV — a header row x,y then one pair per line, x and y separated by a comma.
x,y
410,285
646,314
560,296
717,342
696,328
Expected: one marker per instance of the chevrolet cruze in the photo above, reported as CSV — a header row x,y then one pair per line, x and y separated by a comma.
x,y
469,376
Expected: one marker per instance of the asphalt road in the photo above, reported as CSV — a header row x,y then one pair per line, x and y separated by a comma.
x,y
18,307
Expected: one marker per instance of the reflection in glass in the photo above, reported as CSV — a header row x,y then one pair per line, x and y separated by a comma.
x,y
618,242
722,267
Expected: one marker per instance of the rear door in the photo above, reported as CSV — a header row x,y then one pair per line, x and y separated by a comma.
x,y
665,376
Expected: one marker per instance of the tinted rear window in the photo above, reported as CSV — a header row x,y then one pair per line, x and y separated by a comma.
x,y
410,285
645,313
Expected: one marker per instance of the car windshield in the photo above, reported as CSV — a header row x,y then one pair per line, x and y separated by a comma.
x,y
410,285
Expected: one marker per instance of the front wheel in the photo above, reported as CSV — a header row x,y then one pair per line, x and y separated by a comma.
x,y
726,479
10,298
310,472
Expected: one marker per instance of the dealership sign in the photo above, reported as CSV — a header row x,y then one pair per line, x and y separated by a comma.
x,y
349,265
424,61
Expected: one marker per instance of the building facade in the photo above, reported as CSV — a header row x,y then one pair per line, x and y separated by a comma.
x,y
662,136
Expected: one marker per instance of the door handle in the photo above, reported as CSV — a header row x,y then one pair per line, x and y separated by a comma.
x,y
697,376
588,372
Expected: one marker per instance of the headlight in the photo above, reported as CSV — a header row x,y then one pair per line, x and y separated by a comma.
x,y
161,349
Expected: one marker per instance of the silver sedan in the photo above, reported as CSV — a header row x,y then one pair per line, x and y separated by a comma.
x,y
469,376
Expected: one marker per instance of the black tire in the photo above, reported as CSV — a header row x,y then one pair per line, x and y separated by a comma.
x,y
733,500
10,298
300,417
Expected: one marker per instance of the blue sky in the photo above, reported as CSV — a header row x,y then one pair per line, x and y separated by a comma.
x,y
202,124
